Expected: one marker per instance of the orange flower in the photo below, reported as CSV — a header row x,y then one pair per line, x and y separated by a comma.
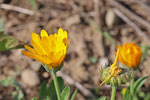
x,y
48,49
130,54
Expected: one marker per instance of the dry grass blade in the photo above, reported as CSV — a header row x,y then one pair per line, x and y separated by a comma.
x,y
82,89
18,9
129,13
133,25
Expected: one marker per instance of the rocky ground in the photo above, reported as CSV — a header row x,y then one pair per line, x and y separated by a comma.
x,y
94,27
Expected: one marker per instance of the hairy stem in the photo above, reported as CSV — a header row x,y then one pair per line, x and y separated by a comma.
x,y
56,84
113,93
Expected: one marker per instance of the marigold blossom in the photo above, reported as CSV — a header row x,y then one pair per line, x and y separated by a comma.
x,y
130,54
48,49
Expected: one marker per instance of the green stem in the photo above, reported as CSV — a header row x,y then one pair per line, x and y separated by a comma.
x,y
56,84
132,86
113,93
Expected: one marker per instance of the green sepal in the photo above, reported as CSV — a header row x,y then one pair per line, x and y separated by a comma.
x,y
49,69
118,81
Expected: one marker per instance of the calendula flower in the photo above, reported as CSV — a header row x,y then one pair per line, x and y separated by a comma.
x,y
48,49
130,54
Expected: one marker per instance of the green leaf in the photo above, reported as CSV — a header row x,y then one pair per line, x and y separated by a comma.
x,y
51,92
74,94
126,96
9,42
135,98
97,30
34,4
147,96
51,89
47,98
102,98
61,83
145,50
141,94
93,59
65,93
43,91
2,25
109,37
139,83
34,98
9,81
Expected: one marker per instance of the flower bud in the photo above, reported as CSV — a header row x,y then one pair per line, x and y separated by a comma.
x,y
118,81
121,78
130,54
113,81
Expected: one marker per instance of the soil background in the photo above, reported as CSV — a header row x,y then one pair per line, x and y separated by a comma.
x,y
94,29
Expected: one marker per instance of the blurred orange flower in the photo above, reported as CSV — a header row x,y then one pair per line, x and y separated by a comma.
x,y
48,49
130,54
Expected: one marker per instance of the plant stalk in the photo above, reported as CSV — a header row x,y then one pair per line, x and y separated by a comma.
x,y
113,93
56,84
132,86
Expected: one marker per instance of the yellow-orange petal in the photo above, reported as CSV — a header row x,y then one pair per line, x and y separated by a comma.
x,y
123,56
29,48
46,44
50,50
44,33
42,59
65,34
38,48
31,55
58,55
35,37
60,31
130,54
62,34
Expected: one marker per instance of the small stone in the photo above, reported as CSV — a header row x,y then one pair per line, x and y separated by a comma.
x,y
104,62
75,19
30,77
45,74
110,18
35,65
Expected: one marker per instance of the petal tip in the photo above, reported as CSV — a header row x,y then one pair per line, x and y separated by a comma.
x,y
44,33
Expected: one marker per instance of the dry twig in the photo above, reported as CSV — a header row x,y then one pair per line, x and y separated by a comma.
x,y
97,12
18,9
69,80
130,14
133,25
143,5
